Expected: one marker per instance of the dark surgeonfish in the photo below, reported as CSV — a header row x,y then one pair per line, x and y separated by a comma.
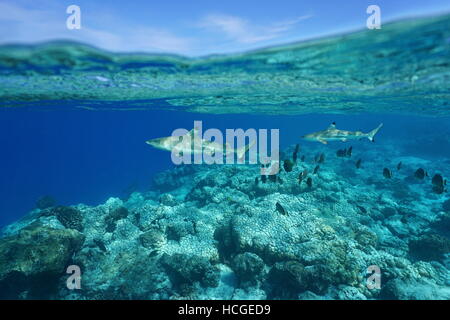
x,y
319,158
362,209
438,180
302,175
439,190
387,173
288,165
295,154
349,152
316,158
100,244
341,153
309,182
358,164
399,165
438,183
263,178
322,158
280,209
420,174
316,169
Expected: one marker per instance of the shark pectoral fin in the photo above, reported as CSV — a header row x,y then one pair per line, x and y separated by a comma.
x,y
322,141
241,152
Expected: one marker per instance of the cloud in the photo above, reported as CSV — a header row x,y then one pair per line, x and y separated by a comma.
x,y
21,25
242,31
45,20
155,39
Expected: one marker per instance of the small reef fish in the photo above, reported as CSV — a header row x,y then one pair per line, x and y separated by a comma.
x,y
341,153
288,165
295,154
280,209
333,134
153,253
316,169
322,158
309,182
185,145
349,152
233,201
439,190
438,180
319,158
302,175
263,179
358,164
100,245
387,173
316,158
399,165
362,209
438,183
420,174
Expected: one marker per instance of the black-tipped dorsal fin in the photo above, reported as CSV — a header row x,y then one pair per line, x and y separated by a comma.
x,y
332,126
193,132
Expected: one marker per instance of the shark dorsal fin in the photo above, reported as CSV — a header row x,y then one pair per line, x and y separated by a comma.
x,y
332,126
194,132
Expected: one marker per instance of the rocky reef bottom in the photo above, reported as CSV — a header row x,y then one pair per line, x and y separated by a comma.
x,y
221,232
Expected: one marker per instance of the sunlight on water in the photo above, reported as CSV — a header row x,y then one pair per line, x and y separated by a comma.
x,y
403,69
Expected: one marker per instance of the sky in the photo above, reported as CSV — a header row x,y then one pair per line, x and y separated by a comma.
x,y
196,27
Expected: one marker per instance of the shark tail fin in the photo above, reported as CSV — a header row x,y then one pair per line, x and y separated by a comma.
x,y
371,134
241,151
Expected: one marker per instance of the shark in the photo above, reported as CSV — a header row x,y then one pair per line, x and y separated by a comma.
x,y
186,144
334,134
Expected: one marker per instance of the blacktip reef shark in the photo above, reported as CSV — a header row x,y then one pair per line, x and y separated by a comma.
x,y
186,144
334,134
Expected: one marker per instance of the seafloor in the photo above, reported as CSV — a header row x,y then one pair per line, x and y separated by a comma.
x,y
214,232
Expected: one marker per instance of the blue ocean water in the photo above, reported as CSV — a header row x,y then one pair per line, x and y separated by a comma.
x,y
86,157
74,121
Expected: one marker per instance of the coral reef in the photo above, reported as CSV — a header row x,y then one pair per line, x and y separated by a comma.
x,y
114,216
32,261
430,247
69,217
209,232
